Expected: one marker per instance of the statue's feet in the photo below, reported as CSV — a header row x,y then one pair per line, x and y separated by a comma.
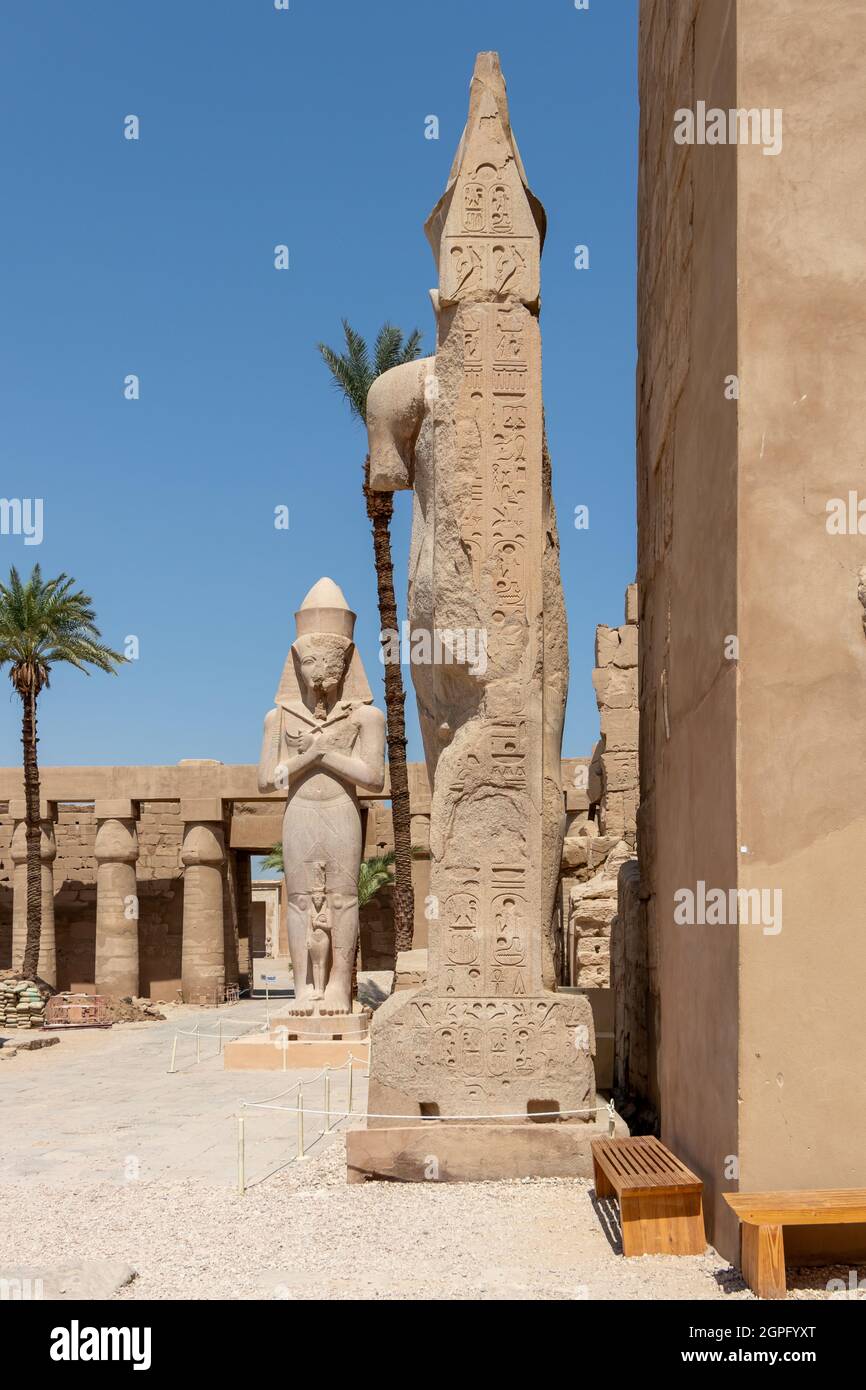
x,y
335,1004
302,1007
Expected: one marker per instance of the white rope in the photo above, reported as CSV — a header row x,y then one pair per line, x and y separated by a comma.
x,y
197,1033
318,1037
306,1081
424,1119
277,1041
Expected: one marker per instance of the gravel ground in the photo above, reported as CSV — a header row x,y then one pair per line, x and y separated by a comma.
x,y
108,1163
306,1234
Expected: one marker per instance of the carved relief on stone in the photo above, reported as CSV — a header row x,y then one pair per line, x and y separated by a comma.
x,y
486,1030
323,739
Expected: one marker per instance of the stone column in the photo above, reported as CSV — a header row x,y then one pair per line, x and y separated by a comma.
x,y
47,968
203,858
116,969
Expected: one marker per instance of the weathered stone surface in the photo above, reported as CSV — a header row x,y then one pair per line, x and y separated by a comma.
x,y
322,741
476,1153
615,688
411,971
592,908
487,1035
116,853
620,730
631,604
618,772
606,645
626,653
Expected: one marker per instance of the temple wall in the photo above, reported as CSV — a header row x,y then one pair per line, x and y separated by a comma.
x,y
687,579
752,653
802,676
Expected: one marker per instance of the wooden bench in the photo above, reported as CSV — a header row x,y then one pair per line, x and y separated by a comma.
x,y
763,1215
660,1207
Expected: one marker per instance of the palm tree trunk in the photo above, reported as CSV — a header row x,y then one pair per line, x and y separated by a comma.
x,y
380,507
34,837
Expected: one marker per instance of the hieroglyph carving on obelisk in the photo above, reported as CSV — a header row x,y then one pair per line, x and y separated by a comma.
x,y
487,1034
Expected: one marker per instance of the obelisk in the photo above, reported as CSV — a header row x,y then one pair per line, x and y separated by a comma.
x,y
488,1036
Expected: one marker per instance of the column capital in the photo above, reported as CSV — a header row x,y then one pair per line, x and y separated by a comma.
x,y
116,840
47,842
203,843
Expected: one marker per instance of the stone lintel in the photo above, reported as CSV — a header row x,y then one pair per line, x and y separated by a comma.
x,y
47,809
202,808
116,808
256,833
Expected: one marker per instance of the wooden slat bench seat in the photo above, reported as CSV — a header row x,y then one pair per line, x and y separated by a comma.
x,y
764,1214
660,1200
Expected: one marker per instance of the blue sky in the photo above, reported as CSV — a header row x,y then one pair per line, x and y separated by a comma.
x,y
155,257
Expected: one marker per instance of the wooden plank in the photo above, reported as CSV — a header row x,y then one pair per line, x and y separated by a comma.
x,y
828,1207
643,1164
763,1260
662,1223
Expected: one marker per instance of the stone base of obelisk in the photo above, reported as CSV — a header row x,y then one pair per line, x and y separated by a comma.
x,y
436,1151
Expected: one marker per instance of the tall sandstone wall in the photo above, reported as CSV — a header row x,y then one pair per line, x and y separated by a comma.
x,y
752,268
687,577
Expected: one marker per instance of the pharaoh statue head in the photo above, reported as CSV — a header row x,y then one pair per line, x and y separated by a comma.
x,y
323,662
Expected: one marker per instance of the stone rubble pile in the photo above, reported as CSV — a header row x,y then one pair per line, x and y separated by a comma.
x,y
131,1010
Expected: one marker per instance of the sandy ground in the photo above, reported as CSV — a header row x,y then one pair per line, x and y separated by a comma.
x,y
106,1158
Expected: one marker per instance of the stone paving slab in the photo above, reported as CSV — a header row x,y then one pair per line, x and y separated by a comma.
x,y
102,1106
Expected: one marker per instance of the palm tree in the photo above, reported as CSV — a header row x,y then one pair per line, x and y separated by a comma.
x,y
373,875
274,859
354,372
43,623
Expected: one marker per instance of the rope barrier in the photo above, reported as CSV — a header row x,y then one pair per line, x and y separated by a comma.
x,y
263,1023
333,1118
374,1115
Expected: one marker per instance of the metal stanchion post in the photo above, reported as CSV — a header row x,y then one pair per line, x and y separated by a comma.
x,y
300,1114
241,1175
351,1075
173,1068
197,1043
327,1099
